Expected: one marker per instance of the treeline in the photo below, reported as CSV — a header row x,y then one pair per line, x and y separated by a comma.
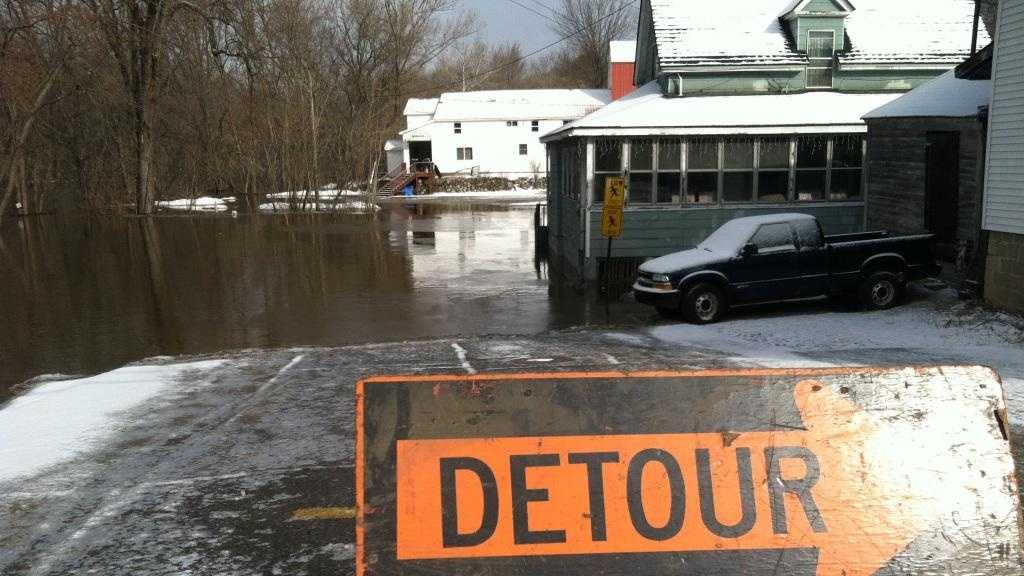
x,y
109,104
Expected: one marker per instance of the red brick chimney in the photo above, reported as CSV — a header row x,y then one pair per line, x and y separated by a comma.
x,y
621,67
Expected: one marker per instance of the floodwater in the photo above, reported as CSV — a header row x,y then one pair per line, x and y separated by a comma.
x,y
84,295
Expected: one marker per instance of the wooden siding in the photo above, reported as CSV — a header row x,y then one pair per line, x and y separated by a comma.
x,y
897,163
1004,189
808,23
656,232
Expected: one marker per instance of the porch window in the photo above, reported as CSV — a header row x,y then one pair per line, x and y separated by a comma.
x,y
773,170
846,180
607,164
821,47
811,167
641,171
702,162
464,153
738,177
670,174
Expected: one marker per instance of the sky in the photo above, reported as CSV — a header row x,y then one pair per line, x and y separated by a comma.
x,y
503,21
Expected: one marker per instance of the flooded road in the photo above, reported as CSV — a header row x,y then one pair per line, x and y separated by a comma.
x,y
84,295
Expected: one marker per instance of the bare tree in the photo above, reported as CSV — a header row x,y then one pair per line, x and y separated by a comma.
x,y
590,25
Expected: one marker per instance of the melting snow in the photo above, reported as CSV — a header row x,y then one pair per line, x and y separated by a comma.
x,y
201,204
58,421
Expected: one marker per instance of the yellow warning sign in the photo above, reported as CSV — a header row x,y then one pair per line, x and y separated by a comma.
x,y
615,192
611,222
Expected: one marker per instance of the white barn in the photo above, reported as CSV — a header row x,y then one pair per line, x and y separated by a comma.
x,y
493,132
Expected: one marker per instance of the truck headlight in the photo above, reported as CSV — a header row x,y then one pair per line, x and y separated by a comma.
x,y
659,278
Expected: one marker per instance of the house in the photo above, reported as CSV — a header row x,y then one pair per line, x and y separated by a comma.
x,y
1003,207
926,160
493,132
745,107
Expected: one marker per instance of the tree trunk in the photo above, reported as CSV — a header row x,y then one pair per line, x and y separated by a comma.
x,y
18,144
145,195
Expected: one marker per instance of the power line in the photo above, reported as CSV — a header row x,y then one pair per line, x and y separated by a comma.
x,y
531,9
537,51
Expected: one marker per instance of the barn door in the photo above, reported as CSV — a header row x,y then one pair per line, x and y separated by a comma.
x,y
942,188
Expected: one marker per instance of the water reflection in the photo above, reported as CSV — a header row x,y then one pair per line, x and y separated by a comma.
x,y
83,295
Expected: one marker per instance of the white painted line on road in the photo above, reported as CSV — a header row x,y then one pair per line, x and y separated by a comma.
x,y
460,353
611,359
277,376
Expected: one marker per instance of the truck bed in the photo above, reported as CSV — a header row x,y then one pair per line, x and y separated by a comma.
x,y
849,253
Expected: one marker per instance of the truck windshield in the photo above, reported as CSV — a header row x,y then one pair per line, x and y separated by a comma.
x,y
728,238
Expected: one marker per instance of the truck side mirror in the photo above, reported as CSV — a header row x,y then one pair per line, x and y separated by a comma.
x,y
749,250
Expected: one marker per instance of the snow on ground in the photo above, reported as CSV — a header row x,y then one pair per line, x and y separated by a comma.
x,y
326,194
511,194
931,328
309,206
201,204
57,421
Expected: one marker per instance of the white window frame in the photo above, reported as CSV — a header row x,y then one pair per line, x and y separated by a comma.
x,y
535,126
524,149
511,123
458,127
464,153
810,61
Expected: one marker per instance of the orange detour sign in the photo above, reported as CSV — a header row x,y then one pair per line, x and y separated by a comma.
x,y
831,472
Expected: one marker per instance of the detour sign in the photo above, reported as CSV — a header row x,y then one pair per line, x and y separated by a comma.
x,y
812,472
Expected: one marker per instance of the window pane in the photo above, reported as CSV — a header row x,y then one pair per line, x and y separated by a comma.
x,y
773,236
810,185
845,184
820,44
669,155
775,153
772,186
847,152
819,77
811,152
640,188
641,155
608,155
702,155
739,154
669,186
738,187
701,187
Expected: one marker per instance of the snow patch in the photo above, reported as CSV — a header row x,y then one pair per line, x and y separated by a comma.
x,y
201,204
57,421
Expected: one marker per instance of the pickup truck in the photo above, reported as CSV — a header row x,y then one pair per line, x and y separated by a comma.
x,y
782,257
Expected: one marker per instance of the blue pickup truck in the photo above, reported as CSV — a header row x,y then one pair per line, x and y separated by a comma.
x,y
782,257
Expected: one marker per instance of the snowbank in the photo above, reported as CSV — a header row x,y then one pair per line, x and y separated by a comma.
x,y
511,194
323,206
201,204
327,194
57,421
932,328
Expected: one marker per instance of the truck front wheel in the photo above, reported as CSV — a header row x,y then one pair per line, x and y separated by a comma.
x,y
880,291
703,304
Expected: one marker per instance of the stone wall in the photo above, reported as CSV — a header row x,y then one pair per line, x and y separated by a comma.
x,y
1004,271
897,161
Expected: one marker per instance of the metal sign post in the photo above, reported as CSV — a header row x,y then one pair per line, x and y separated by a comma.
x,y
612,221
786,472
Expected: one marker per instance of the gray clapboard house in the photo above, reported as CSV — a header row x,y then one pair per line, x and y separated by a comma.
x,y
1003,210
745,107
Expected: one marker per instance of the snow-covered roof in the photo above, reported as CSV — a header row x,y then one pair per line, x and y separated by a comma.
x,y
648,112
420,106
622,51
946,96
519,104
750,32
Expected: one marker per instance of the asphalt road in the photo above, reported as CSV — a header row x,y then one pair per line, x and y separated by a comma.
x,y
250,469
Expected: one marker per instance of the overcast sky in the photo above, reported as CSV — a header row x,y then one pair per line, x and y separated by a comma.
x,y
503,21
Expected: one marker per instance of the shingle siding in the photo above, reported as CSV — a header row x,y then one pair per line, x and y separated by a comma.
x,y
1004,192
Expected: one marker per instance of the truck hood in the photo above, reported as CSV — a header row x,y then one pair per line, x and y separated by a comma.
x,y
696,258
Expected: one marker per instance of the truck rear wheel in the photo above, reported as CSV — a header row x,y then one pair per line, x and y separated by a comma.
x,y
703,304
881,291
